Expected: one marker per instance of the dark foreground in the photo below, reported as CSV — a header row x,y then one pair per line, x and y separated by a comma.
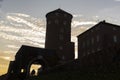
x,y
77,75
83,74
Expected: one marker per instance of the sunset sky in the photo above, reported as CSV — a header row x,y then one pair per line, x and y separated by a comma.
x,y
24,22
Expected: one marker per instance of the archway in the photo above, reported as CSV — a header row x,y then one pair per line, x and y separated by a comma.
x,y
36,66
35,69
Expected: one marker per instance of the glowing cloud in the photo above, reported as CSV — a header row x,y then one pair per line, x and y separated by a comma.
x,y
77,15
19,14
13,46
5,57
9,52
78,23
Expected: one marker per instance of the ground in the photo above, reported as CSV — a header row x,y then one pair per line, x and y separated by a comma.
x,y
81,75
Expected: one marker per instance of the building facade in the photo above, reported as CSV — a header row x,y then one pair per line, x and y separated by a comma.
x,y
28,56
58,34
99,43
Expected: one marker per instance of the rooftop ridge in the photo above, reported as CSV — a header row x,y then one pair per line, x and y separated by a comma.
x,y
58,10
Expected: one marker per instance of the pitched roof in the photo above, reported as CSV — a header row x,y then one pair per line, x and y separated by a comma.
x,y
59,11
100,23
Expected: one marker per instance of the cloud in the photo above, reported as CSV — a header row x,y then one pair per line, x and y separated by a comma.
x,y
5,58
23,29
11,37
21,20
117,0
77,15
19,14
9,52
79,23
18,29
110,14
22,32
13,46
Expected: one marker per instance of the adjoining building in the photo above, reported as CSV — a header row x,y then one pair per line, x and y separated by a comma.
x,y
99,44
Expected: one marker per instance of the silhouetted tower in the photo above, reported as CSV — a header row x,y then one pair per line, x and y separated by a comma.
x,y
58,34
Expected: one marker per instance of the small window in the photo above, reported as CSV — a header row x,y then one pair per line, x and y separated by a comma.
x,y
64,22
22,70
56,21
97,28
114,28
87,42
88,52
115,38
61,37
97,38
98,49
65,15
83,54
92,30
83,44
61,30
93,51
63,57
92,40
57,14
61,48
49,22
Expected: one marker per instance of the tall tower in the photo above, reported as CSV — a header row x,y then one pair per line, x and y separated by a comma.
x,y
58,34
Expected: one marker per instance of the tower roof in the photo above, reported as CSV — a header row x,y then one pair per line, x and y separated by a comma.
x,y
58,11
